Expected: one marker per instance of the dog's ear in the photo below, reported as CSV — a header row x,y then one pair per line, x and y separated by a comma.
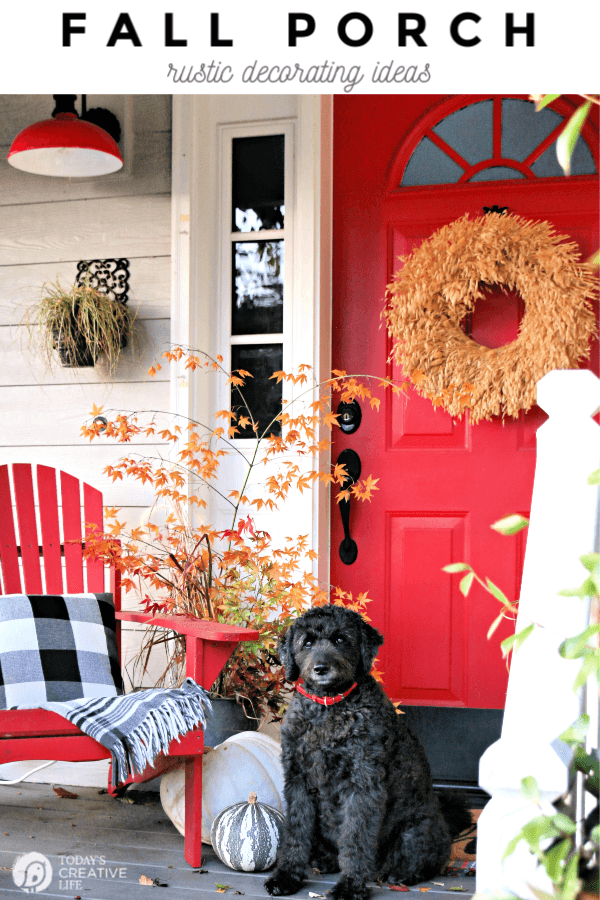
x,y
286,655
371,641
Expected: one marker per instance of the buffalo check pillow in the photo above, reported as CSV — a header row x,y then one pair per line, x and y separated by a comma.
x,y
57,647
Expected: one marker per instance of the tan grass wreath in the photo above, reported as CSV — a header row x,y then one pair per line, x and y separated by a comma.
x,y
439,284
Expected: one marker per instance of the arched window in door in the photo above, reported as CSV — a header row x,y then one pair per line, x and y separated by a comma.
x,y
492,139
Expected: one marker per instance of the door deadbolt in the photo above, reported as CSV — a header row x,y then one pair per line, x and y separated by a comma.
x,y
350,415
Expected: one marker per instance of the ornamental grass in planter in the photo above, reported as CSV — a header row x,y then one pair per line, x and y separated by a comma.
x,y
236,575
80,324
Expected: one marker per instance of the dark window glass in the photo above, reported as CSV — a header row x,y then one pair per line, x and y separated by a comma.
x,y
257,288
469,131
262,395
523,129
430,165
497,173
582,162
258,177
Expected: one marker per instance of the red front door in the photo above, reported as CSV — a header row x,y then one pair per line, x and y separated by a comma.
x,y
442,482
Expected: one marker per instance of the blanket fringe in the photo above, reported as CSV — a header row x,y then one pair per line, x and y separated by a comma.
x,y
175,717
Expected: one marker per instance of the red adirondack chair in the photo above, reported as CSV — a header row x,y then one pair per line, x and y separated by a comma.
x,y
39,733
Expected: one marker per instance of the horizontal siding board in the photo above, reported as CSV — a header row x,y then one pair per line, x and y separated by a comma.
x,y
149,286
151,113
86,229
147,172
21,364
54,414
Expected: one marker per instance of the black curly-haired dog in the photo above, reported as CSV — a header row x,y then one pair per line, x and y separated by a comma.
x,y
357,782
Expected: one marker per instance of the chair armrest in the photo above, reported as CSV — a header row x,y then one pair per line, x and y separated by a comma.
x,y
193,627
208,644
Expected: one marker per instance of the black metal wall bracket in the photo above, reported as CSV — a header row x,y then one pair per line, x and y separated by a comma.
x,y
108,276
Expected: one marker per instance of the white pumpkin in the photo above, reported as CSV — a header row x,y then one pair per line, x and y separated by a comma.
x,y
246,836
246,762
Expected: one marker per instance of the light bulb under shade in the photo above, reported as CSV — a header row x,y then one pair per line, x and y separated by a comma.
x,y
65,147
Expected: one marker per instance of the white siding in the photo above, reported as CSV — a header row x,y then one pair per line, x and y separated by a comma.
x,y
46,226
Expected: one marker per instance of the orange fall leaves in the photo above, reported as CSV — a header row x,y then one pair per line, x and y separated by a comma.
x,y
236,575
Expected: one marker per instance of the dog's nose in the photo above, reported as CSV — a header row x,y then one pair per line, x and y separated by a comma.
x,y
320,669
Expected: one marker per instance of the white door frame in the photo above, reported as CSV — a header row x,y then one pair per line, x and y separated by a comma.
x,y
195,276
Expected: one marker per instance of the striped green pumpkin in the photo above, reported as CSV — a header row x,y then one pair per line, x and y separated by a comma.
x,y
245,836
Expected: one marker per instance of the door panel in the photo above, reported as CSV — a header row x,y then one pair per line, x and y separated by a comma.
x,y
428,664
442,482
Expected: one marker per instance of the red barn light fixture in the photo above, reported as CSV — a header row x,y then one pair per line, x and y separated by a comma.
x,y
68,145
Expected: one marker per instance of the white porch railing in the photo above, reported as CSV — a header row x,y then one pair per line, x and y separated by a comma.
x,y
540,702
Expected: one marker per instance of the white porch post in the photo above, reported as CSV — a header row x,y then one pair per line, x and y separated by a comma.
x,y
540,701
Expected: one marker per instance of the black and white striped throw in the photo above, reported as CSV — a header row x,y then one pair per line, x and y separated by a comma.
x,y
137,727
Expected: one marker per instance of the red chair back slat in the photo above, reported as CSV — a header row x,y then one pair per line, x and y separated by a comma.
x,y
46,481
11,576
71,511
28,536
92,516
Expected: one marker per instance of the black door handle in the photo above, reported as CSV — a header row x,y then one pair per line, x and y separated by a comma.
x,y
351,461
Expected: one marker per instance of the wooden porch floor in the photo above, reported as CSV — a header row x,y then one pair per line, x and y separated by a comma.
x,y
128,841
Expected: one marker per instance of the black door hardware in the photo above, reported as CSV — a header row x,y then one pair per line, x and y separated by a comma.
x,y
350,415
351,460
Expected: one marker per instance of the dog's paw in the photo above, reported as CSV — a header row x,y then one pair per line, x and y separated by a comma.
x,y
349,888
280,884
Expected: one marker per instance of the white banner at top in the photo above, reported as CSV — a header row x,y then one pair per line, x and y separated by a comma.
x,y
304,46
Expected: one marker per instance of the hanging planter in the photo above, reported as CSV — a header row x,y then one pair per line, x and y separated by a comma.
x,y
71,346
81,324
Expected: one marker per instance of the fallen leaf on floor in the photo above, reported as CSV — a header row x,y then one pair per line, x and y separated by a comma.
x,y
424,890
221,888
72,825
241,893
6,833
145,880
398,887
316,871
457,888
66,795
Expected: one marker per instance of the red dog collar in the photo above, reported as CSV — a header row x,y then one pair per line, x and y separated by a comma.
x,y
325,701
